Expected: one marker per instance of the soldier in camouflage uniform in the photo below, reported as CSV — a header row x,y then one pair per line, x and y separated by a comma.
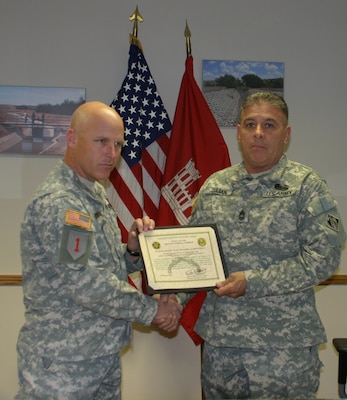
x,y
281,234
79,305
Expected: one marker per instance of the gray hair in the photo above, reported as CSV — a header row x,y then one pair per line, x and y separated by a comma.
x,y
266,97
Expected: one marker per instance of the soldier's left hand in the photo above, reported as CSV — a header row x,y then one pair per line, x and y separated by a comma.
x,y
139,225
234,286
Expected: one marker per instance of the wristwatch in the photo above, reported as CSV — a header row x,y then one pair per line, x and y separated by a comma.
x,y
133,253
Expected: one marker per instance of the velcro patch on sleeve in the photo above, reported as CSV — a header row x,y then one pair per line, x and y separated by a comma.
x,y
78,219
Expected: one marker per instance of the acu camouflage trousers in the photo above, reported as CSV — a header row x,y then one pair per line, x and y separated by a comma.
x,y
43,378
231,373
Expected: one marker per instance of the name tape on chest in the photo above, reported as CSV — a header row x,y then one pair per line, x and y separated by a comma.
x,y
277,193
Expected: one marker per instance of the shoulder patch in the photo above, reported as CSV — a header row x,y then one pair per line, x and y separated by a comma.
x,y
75,245
78,219
333,222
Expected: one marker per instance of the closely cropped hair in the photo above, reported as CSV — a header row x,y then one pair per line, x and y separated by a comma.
x,y
266,98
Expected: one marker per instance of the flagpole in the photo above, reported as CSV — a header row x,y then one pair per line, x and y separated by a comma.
x,y
188,35
136,17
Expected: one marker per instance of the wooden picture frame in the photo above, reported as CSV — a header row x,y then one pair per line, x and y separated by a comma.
x,y
34,119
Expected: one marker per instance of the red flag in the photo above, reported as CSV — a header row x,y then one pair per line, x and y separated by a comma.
x,y
197,149
136,183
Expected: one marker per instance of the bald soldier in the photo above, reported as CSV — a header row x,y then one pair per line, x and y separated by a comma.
x,y
78,303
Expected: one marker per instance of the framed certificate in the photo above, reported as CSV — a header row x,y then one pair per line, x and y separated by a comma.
x,y
182,258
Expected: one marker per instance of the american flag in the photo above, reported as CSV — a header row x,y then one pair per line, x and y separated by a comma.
x,y
136,183
78,219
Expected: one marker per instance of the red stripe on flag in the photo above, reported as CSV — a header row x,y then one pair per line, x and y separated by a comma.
x,y
164,142
122,228
126,194
128,200
152,168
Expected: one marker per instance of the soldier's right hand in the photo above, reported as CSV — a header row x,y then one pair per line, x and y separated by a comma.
x,y
169,313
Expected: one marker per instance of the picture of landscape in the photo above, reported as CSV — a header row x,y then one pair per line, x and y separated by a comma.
x,y
34,120
226,84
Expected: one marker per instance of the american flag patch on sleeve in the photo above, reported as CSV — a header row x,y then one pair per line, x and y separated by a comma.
x,y
78,219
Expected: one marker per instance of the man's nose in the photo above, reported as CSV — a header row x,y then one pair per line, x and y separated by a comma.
x,y
111,151
259,131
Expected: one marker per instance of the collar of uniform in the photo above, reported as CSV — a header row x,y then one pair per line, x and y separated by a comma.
x,y
274,174
95,188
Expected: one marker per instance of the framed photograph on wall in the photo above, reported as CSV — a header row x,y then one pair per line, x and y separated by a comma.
x,y
225,84
34,120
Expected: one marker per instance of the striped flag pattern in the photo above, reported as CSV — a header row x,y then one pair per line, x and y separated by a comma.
x,y
136,183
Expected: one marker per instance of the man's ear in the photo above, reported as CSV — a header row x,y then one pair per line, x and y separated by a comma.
x,y
287,134
71,138
238,128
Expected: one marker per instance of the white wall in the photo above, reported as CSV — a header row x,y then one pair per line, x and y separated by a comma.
x,y
84,43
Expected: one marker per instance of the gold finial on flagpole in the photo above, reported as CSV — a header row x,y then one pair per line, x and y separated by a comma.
x,y
188,35
136,17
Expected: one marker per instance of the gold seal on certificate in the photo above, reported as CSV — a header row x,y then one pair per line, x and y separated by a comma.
x,y
182,258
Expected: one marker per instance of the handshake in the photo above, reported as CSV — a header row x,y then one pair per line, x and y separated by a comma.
x,y
169,312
